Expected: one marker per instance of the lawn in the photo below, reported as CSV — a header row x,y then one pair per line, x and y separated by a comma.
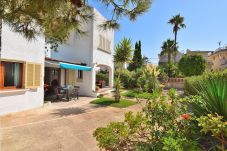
x,y
111,102
140,95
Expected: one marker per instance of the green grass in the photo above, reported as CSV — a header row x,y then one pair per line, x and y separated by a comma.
x,y
130,94
111,102
141,95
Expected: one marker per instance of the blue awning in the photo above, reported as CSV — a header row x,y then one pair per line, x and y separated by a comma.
x,y
74,67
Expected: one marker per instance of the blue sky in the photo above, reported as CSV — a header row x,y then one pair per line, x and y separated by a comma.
x,y
206,22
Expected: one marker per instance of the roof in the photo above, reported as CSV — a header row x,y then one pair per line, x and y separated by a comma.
x,y
76,63
218,51
198,51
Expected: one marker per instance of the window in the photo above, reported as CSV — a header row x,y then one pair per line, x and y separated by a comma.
x,y
70,77
104,44
11,75
33,75
80,74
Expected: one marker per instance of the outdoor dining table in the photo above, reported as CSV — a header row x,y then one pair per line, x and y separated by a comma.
x,y
71,92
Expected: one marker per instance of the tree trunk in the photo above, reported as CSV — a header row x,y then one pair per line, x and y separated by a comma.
x,y
175,46
169,57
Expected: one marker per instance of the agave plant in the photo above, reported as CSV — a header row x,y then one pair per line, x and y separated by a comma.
x,y
212,91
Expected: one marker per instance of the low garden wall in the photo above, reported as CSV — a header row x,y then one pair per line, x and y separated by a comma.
x,y
177,83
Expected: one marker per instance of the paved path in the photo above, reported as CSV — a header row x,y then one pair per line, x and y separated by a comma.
x,y
64,126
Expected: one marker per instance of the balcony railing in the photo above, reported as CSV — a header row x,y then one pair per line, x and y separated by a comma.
x,y
223,62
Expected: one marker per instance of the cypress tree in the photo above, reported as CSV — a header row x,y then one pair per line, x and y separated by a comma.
x,y
137,61
139,56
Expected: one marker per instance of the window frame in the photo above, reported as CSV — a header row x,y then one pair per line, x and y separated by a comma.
x,y
2,74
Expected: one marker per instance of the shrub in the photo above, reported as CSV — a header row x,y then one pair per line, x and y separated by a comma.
x,y
151,74
103,76
158,127
122,136
191,81
191,65
127,79
212,91
172,93
169,70
163,76
215,125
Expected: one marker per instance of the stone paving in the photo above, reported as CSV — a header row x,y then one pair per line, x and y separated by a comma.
x,y
64,126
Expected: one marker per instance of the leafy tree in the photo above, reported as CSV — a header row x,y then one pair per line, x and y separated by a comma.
x,y
178,23
56,18
122,55
191,65
137,60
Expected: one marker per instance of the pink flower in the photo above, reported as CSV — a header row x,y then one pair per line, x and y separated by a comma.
x,y
185,116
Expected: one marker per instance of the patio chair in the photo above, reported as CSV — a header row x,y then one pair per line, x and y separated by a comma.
x,y
75,92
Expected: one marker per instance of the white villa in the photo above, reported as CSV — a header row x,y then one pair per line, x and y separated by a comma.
x,y
93,50
25,66
22,72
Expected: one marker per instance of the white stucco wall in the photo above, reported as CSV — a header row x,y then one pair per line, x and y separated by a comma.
x,y
15,47
101,57
84,49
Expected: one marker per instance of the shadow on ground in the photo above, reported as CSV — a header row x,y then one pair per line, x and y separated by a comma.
x,y
69,111
74,110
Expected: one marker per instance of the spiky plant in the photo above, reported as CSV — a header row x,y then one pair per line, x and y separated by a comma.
x,y
122,55
151,74
212,92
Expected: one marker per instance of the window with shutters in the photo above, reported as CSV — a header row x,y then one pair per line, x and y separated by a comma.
x,y
11,75
33,75
70,77
104,44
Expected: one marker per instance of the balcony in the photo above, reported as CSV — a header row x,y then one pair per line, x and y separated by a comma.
x,y
223,64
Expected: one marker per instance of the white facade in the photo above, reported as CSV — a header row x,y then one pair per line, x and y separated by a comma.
x,y
88,49
15,48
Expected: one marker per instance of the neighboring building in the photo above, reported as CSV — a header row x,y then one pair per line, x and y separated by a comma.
x,y
22,72
163,59
218,59
204,54
78,61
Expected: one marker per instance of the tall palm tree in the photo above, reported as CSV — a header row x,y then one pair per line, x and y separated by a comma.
x,y
167,48
121,56
178,23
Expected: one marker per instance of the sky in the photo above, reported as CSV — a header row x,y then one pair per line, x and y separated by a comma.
x,y
206,25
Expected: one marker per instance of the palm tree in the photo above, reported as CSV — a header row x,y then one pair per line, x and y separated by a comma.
x,y
167,48
178,23
121,56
